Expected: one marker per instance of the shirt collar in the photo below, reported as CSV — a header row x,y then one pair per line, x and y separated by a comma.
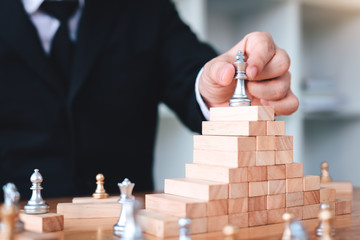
x,y
31,6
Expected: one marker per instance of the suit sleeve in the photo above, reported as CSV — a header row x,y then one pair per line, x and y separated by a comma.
x,y
182,56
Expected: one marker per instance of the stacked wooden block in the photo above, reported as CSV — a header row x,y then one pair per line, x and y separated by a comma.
x,y
243,174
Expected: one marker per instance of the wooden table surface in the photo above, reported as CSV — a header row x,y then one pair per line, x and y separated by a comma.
x,y
347,227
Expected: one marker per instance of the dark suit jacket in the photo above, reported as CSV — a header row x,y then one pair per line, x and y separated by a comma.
x,y
130,55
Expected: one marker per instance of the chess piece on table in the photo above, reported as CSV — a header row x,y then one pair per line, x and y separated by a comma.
x,y
184,228
324,230
240,98
287,217
100,192
126,188
132,230
325,176
36,204
298,231
230,232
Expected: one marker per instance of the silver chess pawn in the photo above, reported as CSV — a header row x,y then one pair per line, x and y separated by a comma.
x,y
126,188
184,228
240,98
36,204
325,217
132,230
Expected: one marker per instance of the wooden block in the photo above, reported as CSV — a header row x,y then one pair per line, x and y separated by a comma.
x,y
217,223
195,188
284,142
217,208
238,205
257,174
176,205
258,189
224,143
240,220
257,218
294,199
26,235
276,187
89,210
327,195
294,185
265,143
225,159
311,211
162,225
275,215
294,170
343,206
311,182
275,127
342,188
284,157
246,113
257,203
276,201
265,158
238,190
276,172
312,197
215,173
48,222
297,211
111,199
239,128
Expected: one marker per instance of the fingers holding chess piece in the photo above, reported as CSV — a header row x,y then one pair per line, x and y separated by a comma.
x,y
100,192
325,175
36,204
324,230
184,228
287,217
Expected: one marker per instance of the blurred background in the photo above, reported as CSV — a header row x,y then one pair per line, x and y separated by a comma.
x,y
322,38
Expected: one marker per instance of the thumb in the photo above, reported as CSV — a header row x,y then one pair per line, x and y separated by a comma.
x,y
219,72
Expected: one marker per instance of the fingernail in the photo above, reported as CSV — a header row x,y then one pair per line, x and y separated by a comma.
x,y
252,72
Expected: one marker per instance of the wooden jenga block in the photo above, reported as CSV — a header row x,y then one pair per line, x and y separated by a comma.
x,y
311,211
265,158
275,127
312,197
27,235
240,220
195,188
176,205
342,188
257,174
276,172
276,187
275,215
238,190
284,143
89,210
239,128
284,157
258,189
297,211
257,203
238,205
162,225
257,218
294,185
343,206
47,222
294,199
224,143
225,159
215,173
311,182
294,170
327,195
217,223
265,143
250,113
276,201
217,207
111,199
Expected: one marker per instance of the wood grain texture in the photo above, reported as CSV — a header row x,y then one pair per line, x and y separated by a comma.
x,y
311,182
297,211
284,157
265,158
225,159
342,188
89,210
275,128
276,187
327,195
240,220
276,172
265,143
343,206
111,199
284,143
26,235
311,211
276,201
217,207
238,205
294,185
257,174
257,218
238,190
238,128
312,197
258,188
294,199
224,143
47,222
248,113
275,215
217,223
257,203
294,170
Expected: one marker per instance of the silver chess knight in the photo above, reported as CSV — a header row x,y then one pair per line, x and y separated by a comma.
x,y
240,98
126,188
36,204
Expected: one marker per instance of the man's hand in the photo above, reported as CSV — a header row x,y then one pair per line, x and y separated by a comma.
x,y
267,69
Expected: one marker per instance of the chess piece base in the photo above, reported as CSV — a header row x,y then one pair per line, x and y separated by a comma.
x,y
36,209
239,102
100,195
118,230
319,231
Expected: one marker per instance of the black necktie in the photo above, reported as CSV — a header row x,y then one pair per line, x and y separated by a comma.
x,y
62,48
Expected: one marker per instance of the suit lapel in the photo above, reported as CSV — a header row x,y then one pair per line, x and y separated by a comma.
x,y
17,30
